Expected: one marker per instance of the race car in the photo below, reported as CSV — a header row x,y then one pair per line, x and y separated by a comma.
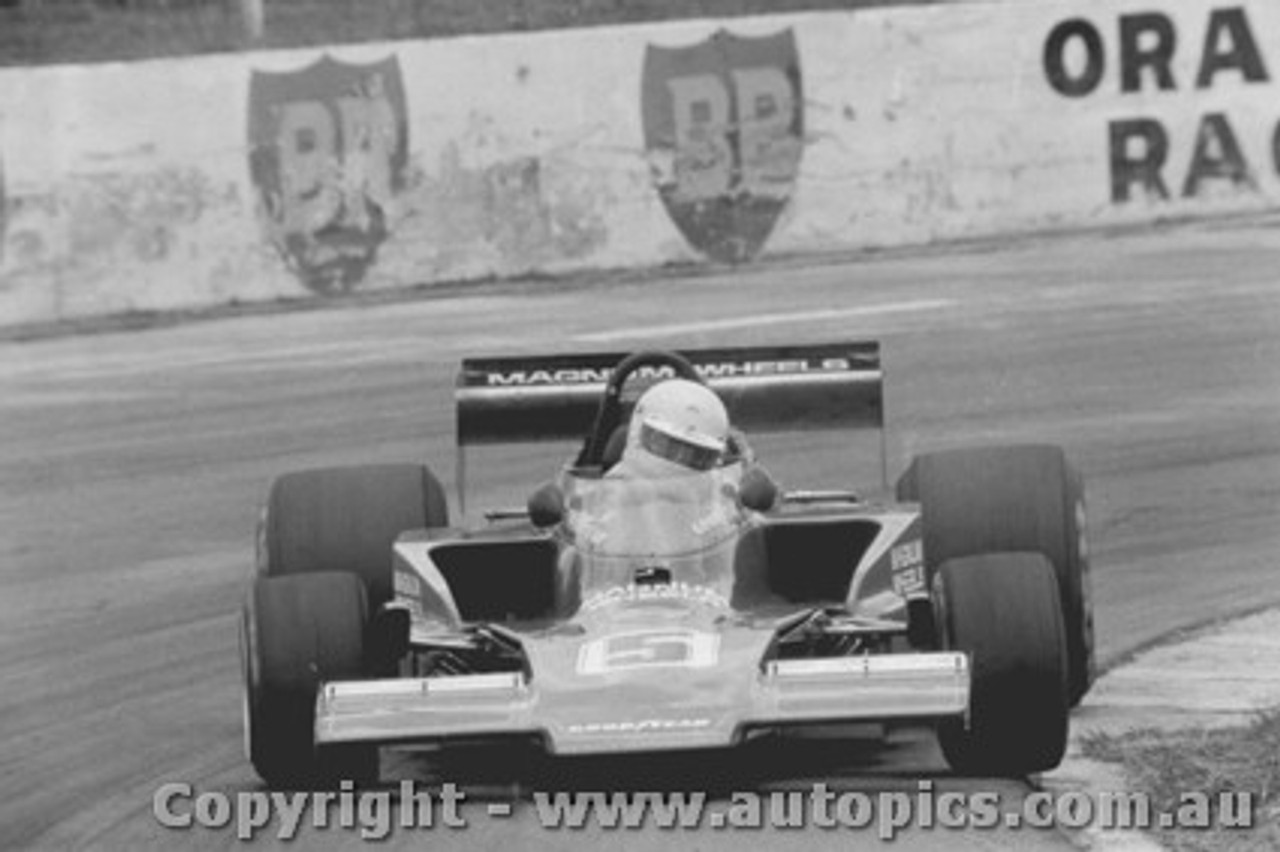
x,y
741,610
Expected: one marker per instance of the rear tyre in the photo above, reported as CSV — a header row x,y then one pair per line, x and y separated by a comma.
x,y
347,519
1011,499
297,633
1002,609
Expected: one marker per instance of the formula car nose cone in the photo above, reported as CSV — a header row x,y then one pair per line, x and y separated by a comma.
x,y
648,672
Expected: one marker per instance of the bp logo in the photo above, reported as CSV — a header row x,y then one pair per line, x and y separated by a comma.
x,y
724,129
328,146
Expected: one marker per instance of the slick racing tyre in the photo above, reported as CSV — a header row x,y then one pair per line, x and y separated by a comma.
x,y
1015,498
347,519
295,634
1002,609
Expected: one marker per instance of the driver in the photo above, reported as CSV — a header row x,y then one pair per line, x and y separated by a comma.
x,y
682,482
668,495
678,427
677,488
678,433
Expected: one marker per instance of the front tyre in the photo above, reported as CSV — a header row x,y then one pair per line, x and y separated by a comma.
x,y
1019,498
1002,610
298,632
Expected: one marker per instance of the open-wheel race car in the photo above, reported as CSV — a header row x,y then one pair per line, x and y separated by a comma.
x,y
612,617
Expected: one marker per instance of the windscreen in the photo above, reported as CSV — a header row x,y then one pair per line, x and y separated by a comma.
x,y
656,532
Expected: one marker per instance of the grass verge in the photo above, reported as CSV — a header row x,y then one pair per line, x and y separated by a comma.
x,y
1166,765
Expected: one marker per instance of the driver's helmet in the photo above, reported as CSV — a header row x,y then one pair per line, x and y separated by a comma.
x,y
677,426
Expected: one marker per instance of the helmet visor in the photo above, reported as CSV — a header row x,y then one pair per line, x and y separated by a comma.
x,y
684,451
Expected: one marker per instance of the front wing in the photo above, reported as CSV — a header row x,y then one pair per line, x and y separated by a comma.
x,y
786,692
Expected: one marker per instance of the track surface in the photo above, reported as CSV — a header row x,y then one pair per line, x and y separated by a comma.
x,y
131,466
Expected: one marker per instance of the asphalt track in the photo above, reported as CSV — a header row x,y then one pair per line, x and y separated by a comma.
x,y
131,466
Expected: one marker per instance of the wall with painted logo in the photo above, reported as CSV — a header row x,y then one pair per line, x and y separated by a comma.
x,y
985,120
1189,115
308,173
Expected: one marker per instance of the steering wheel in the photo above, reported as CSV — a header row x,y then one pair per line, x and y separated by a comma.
x,y
609,414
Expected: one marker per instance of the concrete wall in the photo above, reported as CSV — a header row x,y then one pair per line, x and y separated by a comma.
x,y
258,176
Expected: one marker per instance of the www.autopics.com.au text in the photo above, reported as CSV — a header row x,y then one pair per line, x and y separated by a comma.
x,y
376,814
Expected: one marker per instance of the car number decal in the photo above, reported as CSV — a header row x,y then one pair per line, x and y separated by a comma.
x,y
649,649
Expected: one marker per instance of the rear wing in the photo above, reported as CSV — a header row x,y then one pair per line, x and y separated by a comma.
x,y
765,389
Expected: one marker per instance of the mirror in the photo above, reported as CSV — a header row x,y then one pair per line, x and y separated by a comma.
x,y
758,491
546,505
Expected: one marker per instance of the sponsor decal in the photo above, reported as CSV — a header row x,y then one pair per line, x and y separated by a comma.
x,y
641,726
636,593
906,555
410,591
407,584
686,649
906,561
722,370
909,582
524,378
724,131
1146,47
328,146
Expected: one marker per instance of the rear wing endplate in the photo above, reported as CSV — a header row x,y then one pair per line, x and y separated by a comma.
x,y
766,390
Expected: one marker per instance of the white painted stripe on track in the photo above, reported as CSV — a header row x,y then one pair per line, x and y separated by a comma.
x,y
86,363
761,320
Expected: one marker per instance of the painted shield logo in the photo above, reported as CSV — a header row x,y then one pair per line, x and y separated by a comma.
x,y
328,145
724,129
